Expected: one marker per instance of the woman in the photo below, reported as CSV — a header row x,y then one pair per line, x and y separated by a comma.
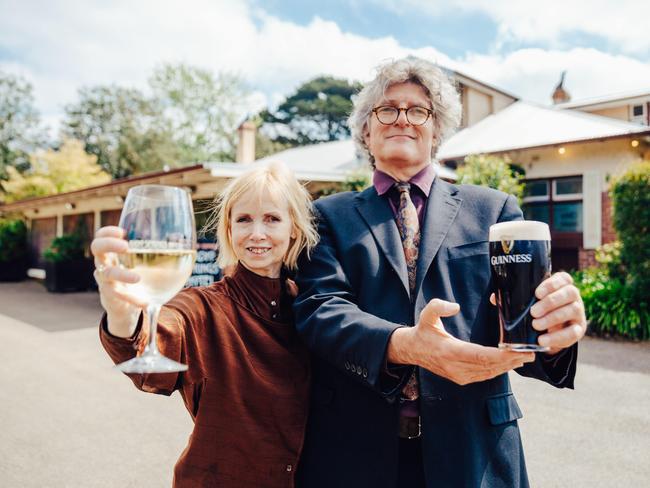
x,y
247,383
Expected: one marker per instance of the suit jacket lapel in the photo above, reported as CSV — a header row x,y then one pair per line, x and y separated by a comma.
x,y
442,206
376,211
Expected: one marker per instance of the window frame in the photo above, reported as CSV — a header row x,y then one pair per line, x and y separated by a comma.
x,y
560,238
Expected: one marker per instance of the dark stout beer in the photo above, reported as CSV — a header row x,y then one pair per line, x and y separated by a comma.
x,y
520,255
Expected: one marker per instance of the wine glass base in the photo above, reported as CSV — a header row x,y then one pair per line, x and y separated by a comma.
x,y
150,364
524,347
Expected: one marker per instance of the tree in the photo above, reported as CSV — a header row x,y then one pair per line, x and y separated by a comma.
x,y
316,112
67,169
20,129
630,194
204,110
125,130
492,171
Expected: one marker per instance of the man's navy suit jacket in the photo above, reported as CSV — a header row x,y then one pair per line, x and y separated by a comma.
x,y
354,294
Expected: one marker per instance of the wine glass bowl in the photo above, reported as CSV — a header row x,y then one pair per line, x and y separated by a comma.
x,y
158,223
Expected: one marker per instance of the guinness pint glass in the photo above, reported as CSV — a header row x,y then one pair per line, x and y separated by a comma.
x,y
520,255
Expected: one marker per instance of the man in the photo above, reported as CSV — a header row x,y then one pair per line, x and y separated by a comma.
x,y
408,389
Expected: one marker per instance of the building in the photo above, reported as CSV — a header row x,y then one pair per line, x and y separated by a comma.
x,y
568,151
569,157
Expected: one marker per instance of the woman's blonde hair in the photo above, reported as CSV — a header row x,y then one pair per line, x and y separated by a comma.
x,y
438,85
281,184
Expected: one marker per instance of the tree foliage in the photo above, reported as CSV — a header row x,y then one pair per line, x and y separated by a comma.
x,y
20,129
616,291
123,128
67,169
203,108
316,112
492,171
631,201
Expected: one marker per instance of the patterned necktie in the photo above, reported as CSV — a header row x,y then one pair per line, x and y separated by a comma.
x,y
409,230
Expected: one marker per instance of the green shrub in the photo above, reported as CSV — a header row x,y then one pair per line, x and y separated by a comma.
x,y
13,240
631,201
611,305
492,171
65,248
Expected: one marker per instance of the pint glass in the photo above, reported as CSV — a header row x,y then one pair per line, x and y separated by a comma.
x,y
520,256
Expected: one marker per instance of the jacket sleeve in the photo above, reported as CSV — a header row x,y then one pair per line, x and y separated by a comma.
x,y
332,324
174,322
558,370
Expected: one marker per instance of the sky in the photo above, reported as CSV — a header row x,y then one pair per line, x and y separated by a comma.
x,y
520,46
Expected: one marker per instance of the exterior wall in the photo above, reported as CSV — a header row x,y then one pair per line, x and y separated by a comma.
x,y
477,106
596,162
622,112
499,102
609,157
587,257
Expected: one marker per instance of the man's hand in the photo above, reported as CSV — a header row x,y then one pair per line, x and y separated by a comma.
x,y
559,312
429,346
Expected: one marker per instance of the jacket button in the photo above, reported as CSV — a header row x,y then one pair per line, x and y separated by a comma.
x,y
273,303
347,365
274,316
289,468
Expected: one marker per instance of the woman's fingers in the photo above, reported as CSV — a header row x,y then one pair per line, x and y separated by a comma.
x,y
115,273
100,246
110,231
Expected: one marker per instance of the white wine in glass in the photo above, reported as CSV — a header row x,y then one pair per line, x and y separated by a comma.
x,y
158,222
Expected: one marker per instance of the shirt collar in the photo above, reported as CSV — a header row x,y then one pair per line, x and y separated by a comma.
x,y
423,180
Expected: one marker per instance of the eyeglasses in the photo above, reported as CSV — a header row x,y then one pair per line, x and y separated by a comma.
x,y
388,115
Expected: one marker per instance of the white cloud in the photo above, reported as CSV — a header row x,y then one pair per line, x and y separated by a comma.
x,y
533,73
63,45
622,24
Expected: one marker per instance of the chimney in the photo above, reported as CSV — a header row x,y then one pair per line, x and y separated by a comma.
x,y
560,95
246,143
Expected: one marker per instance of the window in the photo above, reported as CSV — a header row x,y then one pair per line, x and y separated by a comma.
x,y
638,113
561,207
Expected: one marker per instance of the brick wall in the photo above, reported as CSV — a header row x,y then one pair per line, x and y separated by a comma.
x,y
609,235
587,257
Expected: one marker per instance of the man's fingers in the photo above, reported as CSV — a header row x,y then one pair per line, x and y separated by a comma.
x,y
562,338
435,309
567,313
488,357
553,283
554,300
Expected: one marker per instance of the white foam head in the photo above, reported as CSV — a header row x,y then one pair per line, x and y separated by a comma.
x,y
520,230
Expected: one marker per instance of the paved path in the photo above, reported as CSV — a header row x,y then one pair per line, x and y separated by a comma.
x,y
68,420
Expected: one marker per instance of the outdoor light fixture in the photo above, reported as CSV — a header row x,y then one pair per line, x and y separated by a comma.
x,y
561,150
634,143
70,206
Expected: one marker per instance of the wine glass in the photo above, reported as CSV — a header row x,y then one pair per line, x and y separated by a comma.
x,y
158,223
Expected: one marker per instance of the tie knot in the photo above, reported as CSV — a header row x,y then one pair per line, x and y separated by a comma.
x,y
403,187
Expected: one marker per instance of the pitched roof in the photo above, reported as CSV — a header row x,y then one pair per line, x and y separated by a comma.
x,y
525,125
605,99
335,159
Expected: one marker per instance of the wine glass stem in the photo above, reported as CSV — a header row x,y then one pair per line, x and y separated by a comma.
x,y
152,314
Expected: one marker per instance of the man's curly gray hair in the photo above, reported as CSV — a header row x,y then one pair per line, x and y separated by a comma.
x,y
438,85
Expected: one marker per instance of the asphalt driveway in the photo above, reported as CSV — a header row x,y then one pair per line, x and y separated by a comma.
x,y
69,420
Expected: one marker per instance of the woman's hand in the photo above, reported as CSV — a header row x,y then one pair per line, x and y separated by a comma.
x,y
122,308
